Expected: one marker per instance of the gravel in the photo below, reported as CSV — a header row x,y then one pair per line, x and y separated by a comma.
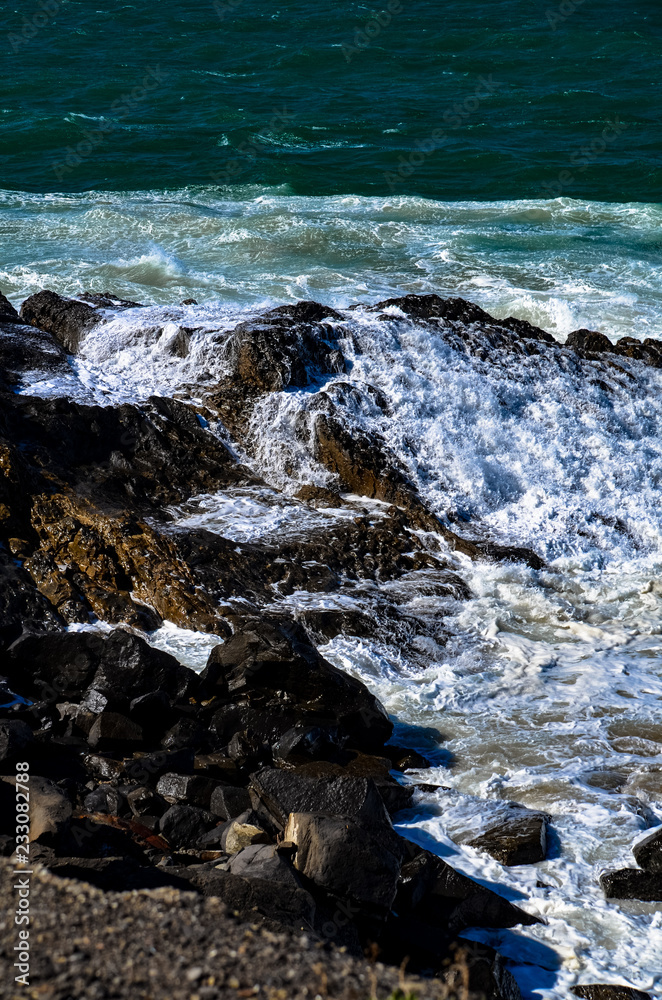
x,y
164,944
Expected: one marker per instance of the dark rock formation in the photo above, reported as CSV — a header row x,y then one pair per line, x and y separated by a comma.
x,y
275,794
648,852
286,347
7,312
632,883
352,860
272,669
68,320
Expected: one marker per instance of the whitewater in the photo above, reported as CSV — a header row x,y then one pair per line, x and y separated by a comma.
x,y
544,686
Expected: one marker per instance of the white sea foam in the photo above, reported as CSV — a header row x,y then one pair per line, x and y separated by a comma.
x,y
561,264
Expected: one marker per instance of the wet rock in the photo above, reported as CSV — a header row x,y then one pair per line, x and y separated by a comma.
x,y
273,665
604,991
349,860
130,668
28,355
631,883
330,622
190,788
103,768
183,825
242,831
648,852
589,342
287,346
112,731
106,300
187,733
15,737
521,840
405,759
227,801
319,496
68,320
119,666
432,891
276,793
362,766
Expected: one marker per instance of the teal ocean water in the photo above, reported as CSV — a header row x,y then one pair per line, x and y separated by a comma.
x,y
506,151
450,100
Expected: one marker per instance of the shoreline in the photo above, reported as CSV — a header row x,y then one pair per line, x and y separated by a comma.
x,y
265,780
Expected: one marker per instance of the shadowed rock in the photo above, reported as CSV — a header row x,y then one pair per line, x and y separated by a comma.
x,y
648,852
7,312
346,858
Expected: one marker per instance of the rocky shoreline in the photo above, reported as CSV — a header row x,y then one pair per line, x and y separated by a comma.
x,y
269,780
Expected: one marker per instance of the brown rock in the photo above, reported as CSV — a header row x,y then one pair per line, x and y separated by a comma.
x,y
68,320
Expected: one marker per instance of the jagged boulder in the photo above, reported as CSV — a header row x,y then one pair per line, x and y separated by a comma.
x,y
7,312
271,665
28,355
287,346
608,991
68,320
431,891
589,342
118,666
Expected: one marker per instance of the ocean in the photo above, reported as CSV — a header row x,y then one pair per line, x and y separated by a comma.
x,y
510,153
